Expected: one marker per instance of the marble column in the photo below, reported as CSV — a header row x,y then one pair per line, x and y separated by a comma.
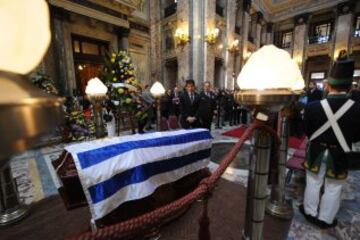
x,y
230,37
209,51
259,19
184,56
300,38
245,30
197,31
155,42
123,38
258,36
269,34
343,27
58,25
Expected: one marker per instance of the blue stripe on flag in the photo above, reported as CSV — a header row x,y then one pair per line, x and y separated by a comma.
x,y
107,188
95,156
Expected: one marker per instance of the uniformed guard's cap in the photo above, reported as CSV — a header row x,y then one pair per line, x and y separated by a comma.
x,y
342,71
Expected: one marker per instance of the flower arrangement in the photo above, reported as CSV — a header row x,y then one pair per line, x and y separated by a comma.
x,y
45,83
119,76
77,126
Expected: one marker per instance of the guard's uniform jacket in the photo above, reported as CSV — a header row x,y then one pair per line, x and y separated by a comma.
x,y
322,140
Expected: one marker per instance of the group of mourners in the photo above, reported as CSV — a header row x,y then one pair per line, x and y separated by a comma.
x,y
195,109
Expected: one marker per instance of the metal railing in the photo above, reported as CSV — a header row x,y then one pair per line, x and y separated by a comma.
x,y
319,39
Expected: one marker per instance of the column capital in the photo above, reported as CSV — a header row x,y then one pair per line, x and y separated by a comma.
x,y
345,8
302,19
122,32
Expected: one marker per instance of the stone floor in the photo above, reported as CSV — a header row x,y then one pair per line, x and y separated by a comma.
x,y
36,180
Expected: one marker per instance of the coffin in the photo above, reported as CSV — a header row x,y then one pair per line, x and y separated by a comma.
x,y
73,195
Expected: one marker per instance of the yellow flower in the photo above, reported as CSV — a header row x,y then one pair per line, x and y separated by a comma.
x,y
122,76
112,60
114,79
121,91
128,100
112,71
113,55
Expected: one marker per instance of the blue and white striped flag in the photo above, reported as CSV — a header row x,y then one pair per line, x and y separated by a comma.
x,y
115,170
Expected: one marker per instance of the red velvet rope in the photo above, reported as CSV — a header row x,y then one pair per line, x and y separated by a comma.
x,y
134,226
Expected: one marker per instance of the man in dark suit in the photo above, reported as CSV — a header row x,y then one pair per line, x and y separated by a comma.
x,y
189,105
314,94
207,105
332,125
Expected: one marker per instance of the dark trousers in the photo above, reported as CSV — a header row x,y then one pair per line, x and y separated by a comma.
x,y
206,123
244,116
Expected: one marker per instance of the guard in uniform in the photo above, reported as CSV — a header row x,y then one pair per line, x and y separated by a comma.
x,y
332,125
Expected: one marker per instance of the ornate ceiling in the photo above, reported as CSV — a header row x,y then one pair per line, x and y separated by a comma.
x,y
275,6
277,10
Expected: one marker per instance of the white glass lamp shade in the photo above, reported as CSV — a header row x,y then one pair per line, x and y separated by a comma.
x,y
270,68
157,89
95,87
25,34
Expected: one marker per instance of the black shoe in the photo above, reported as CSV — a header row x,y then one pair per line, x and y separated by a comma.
x,y
308,217
325,225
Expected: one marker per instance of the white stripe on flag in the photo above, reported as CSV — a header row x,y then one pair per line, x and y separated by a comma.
x,y
144,189
99,143
112,166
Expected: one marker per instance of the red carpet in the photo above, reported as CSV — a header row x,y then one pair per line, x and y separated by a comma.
x,y
294,142
236,132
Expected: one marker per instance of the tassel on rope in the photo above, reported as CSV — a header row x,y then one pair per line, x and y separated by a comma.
x,y
204,221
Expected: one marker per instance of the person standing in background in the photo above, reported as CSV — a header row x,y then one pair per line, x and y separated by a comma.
x,y
189,104
175,99
207,105
150,101
313,94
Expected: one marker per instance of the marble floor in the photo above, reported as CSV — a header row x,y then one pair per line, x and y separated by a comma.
x,y
36,179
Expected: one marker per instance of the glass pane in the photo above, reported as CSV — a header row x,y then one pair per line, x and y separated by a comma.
x,y
76,46
90,48
318,75
357,73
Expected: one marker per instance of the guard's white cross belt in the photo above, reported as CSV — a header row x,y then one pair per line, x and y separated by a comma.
x,y
332,122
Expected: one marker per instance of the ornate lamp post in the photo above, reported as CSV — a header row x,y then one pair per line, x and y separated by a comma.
x,y
157,90
96,92
26,112
267,83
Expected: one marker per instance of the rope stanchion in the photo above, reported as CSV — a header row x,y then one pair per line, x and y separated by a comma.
x,y
138,225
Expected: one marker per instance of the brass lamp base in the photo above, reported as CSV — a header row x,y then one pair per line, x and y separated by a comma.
x,y
280,209
13,215
272,100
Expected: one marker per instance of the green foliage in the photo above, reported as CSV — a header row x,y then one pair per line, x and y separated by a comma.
x,y
44,82
119,76
77,126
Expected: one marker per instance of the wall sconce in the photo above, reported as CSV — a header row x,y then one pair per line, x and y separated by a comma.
x,y
234,46
181,37
212,36
247,55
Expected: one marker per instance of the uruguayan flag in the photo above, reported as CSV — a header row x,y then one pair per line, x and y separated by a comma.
x,y
115,170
